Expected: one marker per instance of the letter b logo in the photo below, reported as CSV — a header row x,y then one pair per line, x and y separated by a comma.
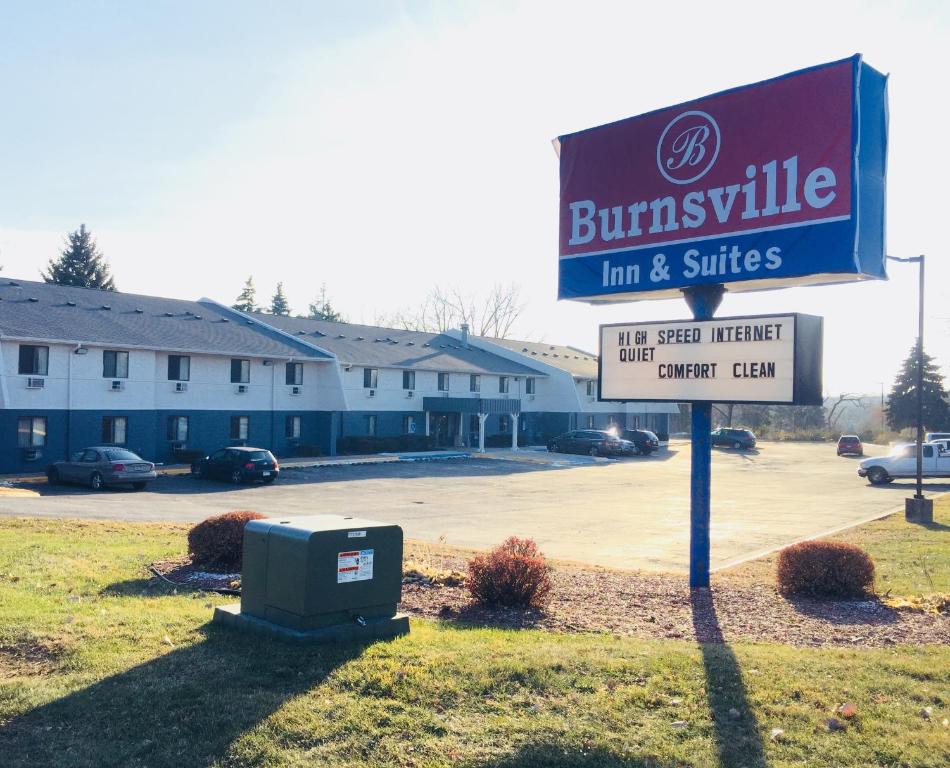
x,y
688,147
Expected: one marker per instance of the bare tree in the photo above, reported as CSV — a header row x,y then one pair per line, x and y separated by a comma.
x,y
843,400
444,308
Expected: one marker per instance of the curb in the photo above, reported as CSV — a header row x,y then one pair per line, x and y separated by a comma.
x,y
830,532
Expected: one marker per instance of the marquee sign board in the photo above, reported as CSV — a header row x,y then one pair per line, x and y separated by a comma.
x,y
755,359
769,185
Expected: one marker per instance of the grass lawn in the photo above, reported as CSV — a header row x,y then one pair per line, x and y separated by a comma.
x,y
97,668
910,560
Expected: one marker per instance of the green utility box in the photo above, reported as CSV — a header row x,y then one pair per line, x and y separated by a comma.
x,y
325,577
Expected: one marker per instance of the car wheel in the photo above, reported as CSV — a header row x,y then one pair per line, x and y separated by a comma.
x,y
140,486
198,471
877,475
95,481
737,444
594,451
269,480
52,476
237,477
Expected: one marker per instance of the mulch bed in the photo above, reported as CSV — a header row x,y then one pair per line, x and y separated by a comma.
x,y
661,606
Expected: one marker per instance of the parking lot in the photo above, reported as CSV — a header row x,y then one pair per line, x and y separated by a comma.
x,y
632,513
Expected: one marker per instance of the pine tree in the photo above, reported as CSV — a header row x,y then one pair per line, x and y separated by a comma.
x,y
278,304
902,403
81,264
321,309
246,300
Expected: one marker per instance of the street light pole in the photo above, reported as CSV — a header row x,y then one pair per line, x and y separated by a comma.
x,y
919,509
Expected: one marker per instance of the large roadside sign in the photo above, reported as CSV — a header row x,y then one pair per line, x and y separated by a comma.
x,y
769,185
752,359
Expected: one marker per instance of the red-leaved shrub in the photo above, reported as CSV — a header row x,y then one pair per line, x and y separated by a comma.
x,y
825,569
218,542
513,575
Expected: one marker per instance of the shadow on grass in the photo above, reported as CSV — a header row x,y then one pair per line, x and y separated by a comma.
x,y
738,741
181,710
867,612
558,756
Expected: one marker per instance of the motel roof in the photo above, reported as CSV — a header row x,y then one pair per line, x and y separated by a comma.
x,y
38,311
580,364
378,347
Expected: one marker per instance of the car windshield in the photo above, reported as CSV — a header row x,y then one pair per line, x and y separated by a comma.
x,y
118,454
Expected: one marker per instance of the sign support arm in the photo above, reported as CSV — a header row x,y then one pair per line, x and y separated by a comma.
x,y
703,301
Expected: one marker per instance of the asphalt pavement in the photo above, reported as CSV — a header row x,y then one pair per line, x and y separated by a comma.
x,y
632,513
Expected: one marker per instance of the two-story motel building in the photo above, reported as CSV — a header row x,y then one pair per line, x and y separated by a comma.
x,y
81,366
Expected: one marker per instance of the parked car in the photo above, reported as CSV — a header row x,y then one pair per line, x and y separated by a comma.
x,y
239,464
594,442
851,445
644,441
902,462
733,438
103,465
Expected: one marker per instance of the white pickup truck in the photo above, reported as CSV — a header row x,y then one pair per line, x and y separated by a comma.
x,y
903,463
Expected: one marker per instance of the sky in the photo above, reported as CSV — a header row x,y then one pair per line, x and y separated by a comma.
x,y
385,147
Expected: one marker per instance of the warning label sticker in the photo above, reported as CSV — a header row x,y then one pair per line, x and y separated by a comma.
x,y
356,565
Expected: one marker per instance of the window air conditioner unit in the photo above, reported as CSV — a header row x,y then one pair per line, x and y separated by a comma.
x,y
241,389
531,397
410,393
32,383
371,393
295,390
445,394
117,386
181,386
32,454
592,398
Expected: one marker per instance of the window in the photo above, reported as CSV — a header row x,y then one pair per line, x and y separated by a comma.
x,y
590,422
370,378
529,385
115,365
443,382
503,384
31,431
178,429
113,429
240,371
294,374
371,426
239,426
474,383
408,379
504,423
34,361
409,424
292,426
179,368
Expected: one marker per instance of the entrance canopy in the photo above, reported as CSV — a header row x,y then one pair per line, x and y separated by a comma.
x,y
471,404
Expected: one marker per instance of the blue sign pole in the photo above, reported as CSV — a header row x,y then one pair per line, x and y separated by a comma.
x,y
703,301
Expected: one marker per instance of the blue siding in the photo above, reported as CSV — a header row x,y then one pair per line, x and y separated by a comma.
x,y
146,434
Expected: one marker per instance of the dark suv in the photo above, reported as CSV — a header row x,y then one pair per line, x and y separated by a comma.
x,y
239,465
643,440
733,438
594,442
